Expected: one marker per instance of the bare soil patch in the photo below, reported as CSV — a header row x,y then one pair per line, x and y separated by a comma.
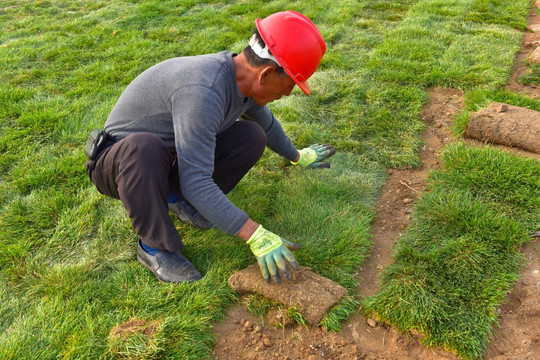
x,y
134,326
518,333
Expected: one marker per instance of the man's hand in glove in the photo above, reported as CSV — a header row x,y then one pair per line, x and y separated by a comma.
x,y
313,156
273,254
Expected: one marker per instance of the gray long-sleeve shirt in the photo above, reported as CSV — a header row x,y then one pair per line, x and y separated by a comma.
x,y
187,101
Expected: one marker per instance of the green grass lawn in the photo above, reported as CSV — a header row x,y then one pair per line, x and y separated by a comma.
x,y
68,272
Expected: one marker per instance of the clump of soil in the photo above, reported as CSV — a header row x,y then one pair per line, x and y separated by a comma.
x,y
310,293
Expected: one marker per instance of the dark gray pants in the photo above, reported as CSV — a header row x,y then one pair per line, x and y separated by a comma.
x,y
140,171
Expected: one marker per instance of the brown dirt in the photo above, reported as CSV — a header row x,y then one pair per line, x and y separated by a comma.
x,y
518,333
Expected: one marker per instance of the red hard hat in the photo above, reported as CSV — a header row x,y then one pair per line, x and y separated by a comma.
x,y
295,42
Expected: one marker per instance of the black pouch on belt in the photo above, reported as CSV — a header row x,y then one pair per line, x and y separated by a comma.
x,y
95,142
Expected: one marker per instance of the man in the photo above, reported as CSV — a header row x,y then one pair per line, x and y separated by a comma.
x,y
186,131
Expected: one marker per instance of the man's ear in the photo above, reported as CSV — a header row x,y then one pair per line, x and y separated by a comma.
x,y
265,73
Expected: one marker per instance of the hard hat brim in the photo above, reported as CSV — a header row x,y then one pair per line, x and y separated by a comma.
x,y
303,85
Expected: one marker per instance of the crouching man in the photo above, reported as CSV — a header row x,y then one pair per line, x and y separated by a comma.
x,y
188,129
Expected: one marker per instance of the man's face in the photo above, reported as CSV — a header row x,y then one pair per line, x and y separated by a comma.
x,y
272,87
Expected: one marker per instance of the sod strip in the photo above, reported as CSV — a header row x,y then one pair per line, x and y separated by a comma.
x,y
461,255
509,184
361,114
329,213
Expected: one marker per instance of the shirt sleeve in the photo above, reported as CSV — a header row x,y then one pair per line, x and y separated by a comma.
x,y
197,116
277,140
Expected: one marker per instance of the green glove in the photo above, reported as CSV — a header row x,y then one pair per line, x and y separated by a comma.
x,y
313,156
273,253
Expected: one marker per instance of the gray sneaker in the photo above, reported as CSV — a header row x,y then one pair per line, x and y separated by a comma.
x,y
187,214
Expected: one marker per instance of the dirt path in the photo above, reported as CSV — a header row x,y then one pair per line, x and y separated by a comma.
x,y
531,40
518,334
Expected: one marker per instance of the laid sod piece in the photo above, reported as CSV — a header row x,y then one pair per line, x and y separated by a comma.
x,y
451,271
507,125
311,294
507,183
460,257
